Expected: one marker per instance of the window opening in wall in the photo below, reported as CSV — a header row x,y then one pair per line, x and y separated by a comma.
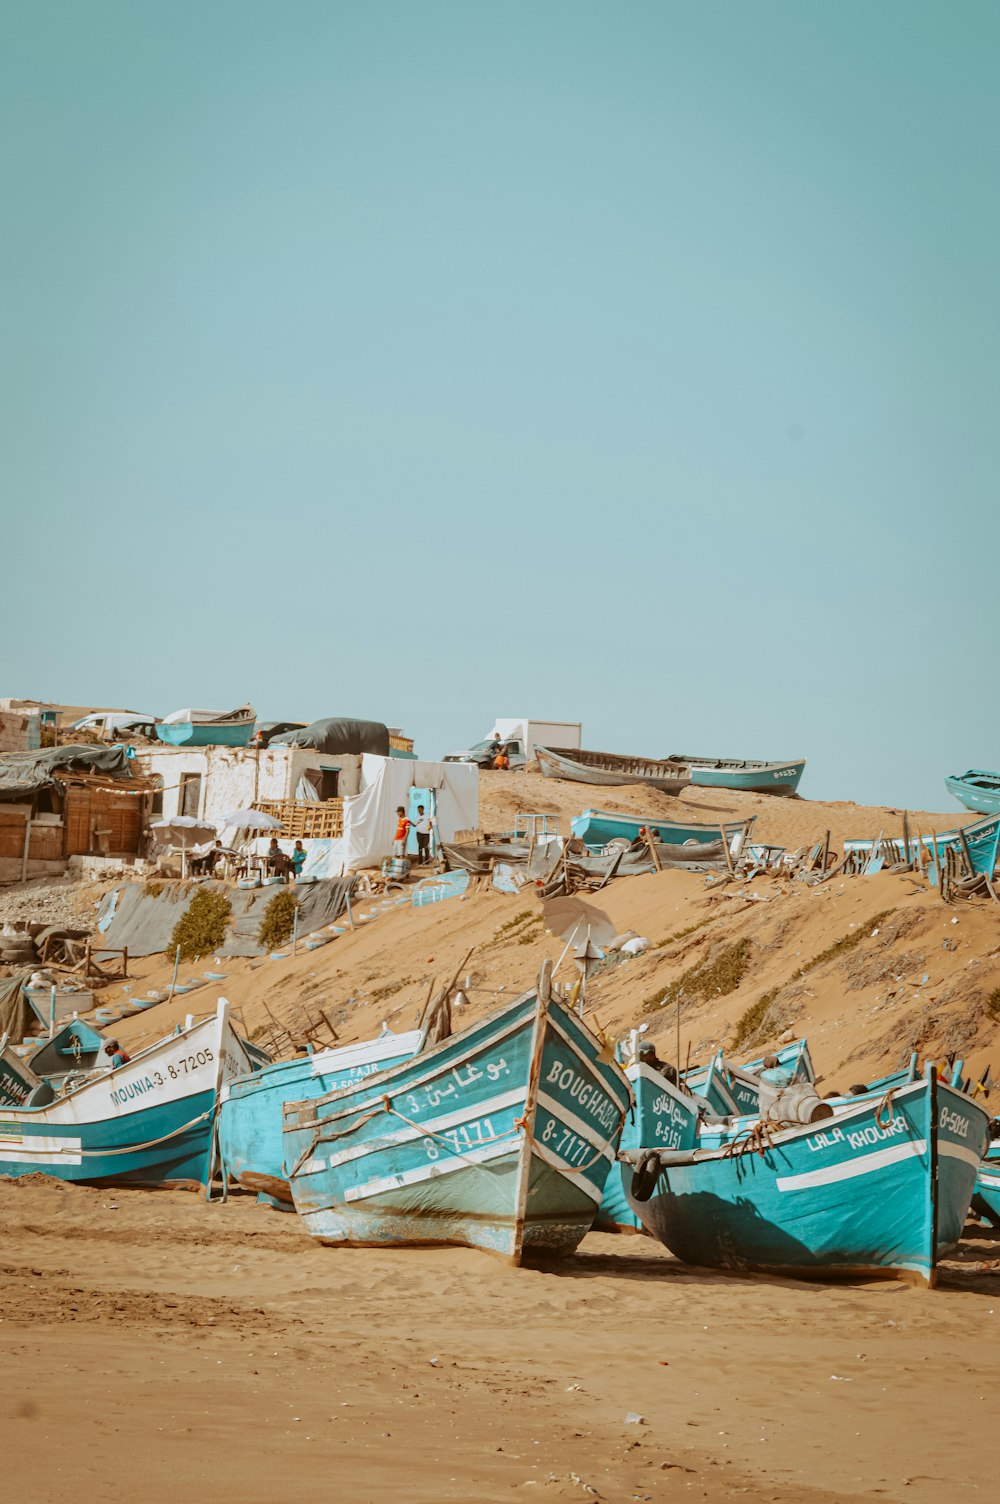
x,y
190,794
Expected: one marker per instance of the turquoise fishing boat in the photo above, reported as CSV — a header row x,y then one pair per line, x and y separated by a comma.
x,y
986,1198
499,1138
977,789
745,774
207,728
17,1079
882,1188
734,1090
596,827
663,1116
980,839
150,1122
250,1136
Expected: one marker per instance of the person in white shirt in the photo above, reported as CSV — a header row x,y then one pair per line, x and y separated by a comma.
x,y
423,825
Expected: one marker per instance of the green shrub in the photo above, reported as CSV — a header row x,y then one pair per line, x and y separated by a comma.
x,y
202,927
278,922
752,1021
712,978
993,1004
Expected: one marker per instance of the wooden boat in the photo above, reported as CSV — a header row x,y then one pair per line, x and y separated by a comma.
x,y
499,1138
609,768
17,1079
986,1197
250,1136
151,1122
663,1117
207,728
977,789
743,773
880,1189
596,827
980,839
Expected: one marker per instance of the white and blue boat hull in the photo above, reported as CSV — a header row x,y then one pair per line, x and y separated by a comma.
x,y
250,1130
151,1122
499,1138
881,1189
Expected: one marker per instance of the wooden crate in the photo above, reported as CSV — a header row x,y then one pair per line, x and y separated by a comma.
x,y
306,818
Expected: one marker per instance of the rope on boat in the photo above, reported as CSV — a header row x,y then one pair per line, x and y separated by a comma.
x,y
581,1169
885,1112
131,1148
519,1125
756,1139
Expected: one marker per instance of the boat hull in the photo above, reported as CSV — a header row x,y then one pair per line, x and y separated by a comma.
x,y
985,801
187,734
753,778
982,838
597,827
250,1129
879,1190
986,1197
662,1117
151,1122
611,770
500,1138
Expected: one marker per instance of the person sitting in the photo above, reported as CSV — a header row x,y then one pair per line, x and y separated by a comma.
x,y
648,1056
118,1055
278,864
298,858
206,862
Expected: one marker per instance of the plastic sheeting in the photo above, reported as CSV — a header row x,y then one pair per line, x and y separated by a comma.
x,y
370,817
144,922
339,734
23,774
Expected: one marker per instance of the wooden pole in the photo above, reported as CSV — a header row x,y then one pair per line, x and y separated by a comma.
x,y
173,981
651,844
678,1057
295,930
732,873
52,1012
27,846
826,850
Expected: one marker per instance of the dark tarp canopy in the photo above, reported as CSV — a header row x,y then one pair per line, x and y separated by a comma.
x,y
338,734
23,774
17,1016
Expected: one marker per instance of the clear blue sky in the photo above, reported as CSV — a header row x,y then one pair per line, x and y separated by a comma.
x,y
425,361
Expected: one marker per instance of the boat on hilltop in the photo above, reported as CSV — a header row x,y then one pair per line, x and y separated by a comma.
x,y
499,1138
208,728
610,768
596,827
745,774
977,790
979,840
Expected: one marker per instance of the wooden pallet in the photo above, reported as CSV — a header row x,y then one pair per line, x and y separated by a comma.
x,y
305,818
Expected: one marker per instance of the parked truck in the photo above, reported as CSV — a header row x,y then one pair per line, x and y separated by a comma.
x,y
520,737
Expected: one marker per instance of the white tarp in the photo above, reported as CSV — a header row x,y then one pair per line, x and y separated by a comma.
x,y
370,817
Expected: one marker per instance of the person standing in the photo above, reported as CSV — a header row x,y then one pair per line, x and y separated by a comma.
x,y
403,827
298,858
424,826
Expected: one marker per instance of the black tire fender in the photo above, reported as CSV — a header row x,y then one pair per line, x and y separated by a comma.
x,y
645,1176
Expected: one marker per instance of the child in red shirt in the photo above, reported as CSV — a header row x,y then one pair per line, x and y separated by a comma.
x,y
402,832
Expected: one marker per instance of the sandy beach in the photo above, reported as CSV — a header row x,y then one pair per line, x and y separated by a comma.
x,y
166,1348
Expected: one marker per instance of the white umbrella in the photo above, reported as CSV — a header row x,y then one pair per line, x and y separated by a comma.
x,y
180,833
249,819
